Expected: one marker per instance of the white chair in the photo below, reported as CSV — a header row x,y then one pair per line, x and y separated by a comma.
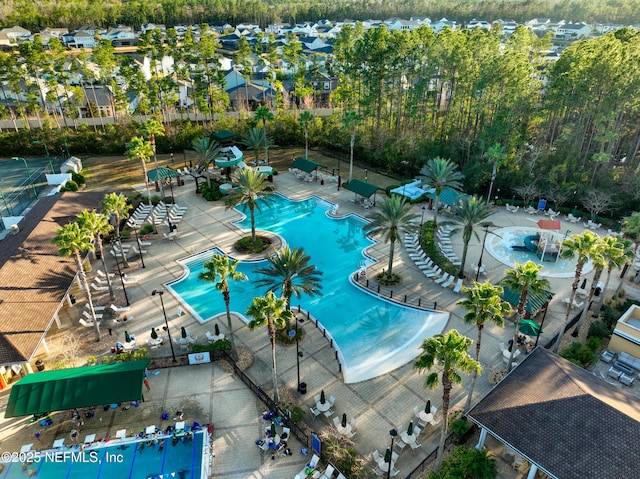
x,y
336,421
99,288
353,422
332,400
458,287
448,282
328,413
95,308
138,251
315,412
87,315
328,472
86,324
376,455
143,243
443,278
100,273
400,444
415,445
316,398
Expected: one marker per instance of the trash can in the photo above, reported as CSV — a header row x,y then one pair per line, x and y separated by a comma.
x,y
303,388
40,365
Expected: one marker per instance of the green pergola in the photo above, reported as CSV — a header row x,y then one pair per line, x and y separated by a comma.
x,y
305,165
77,387
223,135
448,196
361,188
534,301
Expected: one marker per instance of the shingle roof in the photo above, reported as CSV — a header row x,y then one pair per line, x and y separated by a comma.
x,y
33,277
563,418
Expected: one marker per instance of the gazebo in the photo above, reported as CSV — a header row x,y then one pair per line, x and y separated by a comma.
x,y
362,188
306,165
162,173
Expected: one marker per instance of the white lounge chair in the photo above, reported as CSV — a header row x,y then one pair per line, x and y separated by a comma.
x,y
448,282
95,308
117,309
143,243
87,315
458,287
99,288
86,324
443,278
433,273
101,273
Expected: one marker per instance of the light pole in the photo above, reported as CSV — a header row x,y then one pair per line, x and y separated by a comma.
x,y
299,353
484,240
393,433
33,187
135,232
46,150
422,217
546,308
164,312
120,273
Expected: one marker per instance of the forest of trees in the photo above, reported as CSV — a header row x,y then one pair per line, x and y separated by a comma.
x,y
37,14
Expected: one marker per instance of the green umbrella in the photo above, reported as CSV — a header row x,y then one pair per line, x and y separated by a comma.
x,y
273,430
127,338
344,419
183,332
154,335
529,327
322,399
410,428
216,329
427,408
387,455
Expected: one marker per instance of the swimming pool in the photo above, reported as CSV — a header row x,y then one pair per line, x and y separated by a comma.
x,y
499,246
127,459
373,336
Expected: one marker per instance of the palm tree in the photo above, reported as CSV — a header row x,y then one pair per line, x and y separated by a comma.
x,y
449,351
440,174
350,121
264,115
393,220
138,149
219,270
150,129
631,229
205,152
523,279
117,205
71,240
253,190
583,246
253,140
306,119
484,305
601,251
496,156
467,214
290,271
272,312
627,257
98,224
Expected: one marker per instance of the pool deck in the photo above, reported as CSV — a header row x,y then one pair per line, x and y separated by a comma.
x,y
206,393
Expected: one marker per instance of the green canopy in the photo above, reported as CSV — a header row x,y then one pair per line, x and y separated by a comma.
x,y
76,387
361,187
223,135
305,165
448,196
163,173
534,301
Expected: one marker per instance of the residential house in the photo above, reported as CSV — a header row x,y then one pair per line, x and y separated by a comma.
x,y
153,26
16,34
442,24
220,27
626,334
121,36
55,32
602,28
80,39
250,95
5,42
98,101
573,31
312,43
478,24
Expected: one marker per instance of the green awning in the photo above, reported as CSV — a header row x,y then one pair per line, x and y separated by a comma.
x,y
163,173
305,165
223,135
77,387
448,196
361,187
534,301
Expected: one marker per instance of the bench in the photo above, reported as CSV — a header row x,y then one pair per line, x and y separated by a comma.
x,y
631,361
614,373
626,380
622,367
607,356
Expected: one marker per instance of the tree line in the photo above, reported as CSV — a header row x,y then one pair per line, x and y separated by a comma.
x,y
74,13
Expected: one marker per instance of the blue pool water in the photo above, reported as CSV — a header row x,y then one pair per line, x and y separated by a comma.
x,y
372,335
130,460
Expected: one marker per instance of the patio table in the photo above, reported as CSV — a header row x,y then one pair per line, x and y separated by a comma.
x,y
345,431
323,407
408,439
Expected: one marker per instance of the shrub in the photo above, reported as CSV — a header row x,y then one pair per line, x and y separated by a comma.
x,y
220,345
598,329
247,245
146,229
210,194
581,354
467,462
69,186
78,178
460,428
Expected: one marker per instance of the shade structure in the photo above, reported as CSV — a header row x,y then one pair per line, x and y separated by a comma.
x,y
448,196
361,187
216,329
162,173
344,419
410,428
427,407
529,327
387,455
183,332
534,301
549,225
322,398
305,164
223,135
77,387
229,157
154,335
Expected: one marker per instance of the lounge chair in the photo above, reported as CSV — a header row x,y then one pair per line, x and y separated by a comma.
x,y
86,324
95,308
171,236
143,243
458,287
99,288
138,252
443,278
87,315
433,273
115,309
448,282
100,273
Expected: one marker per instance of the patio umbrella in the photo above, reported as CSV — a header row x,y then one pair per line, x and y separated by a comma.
x,y
529,327
584,284
183,332
127,338
387,455
322,399
273,430
344,419
216,329
154,335
427,408
410,428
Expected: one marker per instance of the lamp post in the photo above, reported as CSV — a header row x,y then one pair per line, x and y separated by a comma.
x,y
546,308
164,312
46,150
393,433
135,232
298,353
365,174
484,240
120,273
33,187
422,217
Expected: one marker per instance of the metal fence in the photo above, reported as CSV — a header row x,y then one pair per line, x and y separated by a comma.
x,y
390,294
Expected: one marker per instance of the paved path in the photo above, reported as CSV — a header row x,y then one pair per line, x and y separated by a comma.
x,y
208,394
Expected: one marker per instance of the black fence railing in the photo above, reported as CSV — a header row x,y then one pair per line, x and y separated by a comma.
x,y
297,431
395,295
